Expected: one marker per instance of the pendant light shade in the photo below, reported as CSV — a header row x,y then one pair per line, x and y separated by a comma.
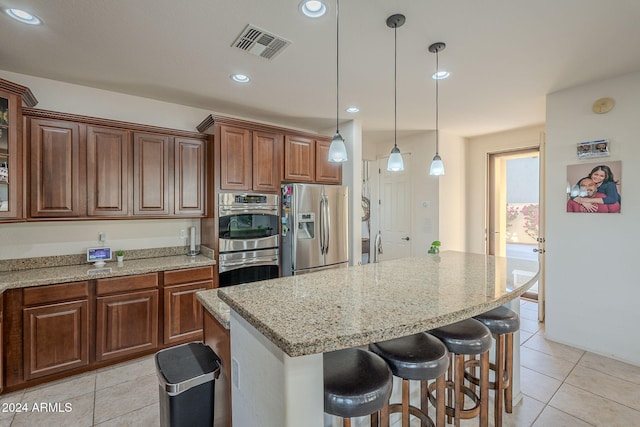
x,y
337,149
395,162
437,166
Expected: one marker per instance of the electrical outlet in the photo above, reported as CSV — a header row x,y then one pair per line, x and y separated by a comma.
x,y
183,233
235,373
102,236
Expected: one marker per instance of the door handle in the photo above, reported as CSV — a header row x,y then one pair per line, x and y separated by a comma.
x,y
539,250
406,238
327,219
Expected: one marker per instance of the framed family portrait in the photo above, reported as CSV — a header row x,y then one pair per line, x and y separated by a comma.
x,y
594,187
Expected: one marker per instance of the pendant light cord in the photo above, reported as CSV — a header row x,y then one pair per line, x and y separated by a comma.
x,y
395,85
437,102
337,63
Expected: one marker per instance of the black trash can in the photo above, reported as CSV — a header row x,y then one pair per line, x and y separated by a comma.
x,y
187,376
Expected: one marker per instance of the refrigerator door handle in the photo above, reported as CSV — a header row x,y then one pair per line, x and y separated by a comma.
x,y
321,225
327,226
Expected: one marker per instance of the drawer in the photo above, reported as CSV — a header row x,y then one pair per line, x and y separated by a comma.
x,y
54,293
126,284
175,277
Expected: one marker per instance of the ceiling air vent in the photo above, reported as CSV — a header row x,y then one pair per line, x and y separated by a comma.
x,y
260,43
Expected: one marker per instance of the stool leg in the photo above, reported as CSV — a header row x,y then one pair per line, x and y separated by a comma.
x,y
384,415
458,384
484,389
374,419
424,399
450,378
499,380
346,422
508,392
440,401
405,403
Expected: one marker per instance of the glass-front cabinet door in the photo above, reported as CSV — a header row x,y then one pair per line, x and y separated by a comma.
x,y
12,98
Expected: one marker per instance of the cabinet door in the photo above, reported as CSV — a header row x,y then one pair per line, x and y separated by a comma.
x,y
126,324
183,312
189,176
326,171
267,163
11,160
108,165
235,158
299,159
55,338
57,173
151,175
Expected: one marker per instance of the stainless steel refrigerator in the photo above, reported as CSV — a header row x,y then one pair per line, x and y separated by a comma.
x,y
315,227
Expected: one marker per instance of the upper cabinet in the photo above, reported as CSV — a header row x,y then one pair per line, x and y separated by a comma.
x,y
12,98
83,167
250,160
326,171
299,158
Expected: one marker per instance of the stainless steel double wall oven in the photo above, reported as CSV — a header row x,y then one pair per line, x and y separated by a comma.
x,y
248,237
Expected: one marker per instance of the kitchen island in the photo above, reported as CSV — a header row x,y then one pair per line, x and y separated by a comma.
x,y
280,328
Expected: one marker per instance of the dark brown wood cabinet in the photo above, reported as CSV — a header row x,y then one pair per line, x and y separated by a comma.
x,y
56,332
189,170
126,316
151,178
299,159
250,160
217,337
57,169
326,172
182,311
108,171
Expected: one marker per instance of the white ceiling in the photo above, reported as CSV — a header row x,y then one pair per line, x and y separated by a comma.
x,y
504,56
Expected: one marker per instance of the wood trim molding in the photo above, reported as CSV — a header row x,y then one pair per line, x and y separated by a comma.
x,y
28,99
207,126
46,114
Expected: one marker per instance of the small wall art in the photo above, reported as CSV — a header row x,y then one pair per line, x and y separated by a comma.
x,y
594,187
589,149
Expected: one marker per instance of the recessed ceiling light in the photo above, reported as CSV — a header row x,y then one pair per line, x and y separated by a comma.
x,y
240,78
352,110
440,75
22,16
313,8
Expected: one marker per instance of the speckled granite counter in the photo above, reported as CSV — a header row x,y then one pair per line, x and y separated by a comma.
x,y
354,306
214,305
74,273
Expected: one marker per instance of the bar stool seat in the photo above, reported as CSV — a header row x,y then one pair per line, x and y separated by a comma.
x,y
419,357
356,383
467,337
503,323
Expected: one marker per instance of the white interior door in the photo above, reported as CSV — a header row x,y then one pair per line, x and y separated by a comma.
x,y
395,210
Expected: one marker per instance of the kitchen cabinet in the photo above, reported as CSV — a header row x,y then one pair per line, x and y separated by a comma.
x,y
56,332
189,183
12,166
250,160
57,169
182,311
299,158
151,174
108,171
126,316
217,337
326,171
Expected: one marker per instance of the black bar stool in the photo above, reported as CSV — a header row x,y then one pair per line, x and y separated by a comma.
x,y
420,357
502,323
356,383
467,337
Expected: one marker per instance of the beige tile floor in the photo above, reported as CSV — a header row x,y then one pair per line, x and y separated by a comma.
x,y
562,387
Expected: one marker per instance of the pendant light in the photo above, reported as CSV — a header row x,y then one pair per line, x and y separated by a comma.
x,y
395,162
437,167
337,149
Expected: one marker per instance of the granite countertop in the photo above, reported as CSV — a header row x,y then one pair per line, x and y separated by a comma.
x,y
347,307
214,305
73,273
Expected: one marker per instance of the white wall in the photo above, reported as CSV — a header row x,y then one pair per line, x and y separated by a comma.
x,y
591,281
478,149
451,200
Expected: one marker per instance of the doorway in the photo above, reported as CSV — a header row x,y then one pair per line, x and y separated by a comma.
x,y
514,206
394,212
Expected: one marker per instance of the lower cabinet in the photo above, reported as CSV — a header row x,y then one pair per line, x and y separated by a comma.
x,y
182,311
55,329
126,316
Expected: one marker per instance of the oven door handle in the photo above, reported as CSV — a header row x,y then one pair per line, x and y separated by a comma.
x,y
226,266
253,209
